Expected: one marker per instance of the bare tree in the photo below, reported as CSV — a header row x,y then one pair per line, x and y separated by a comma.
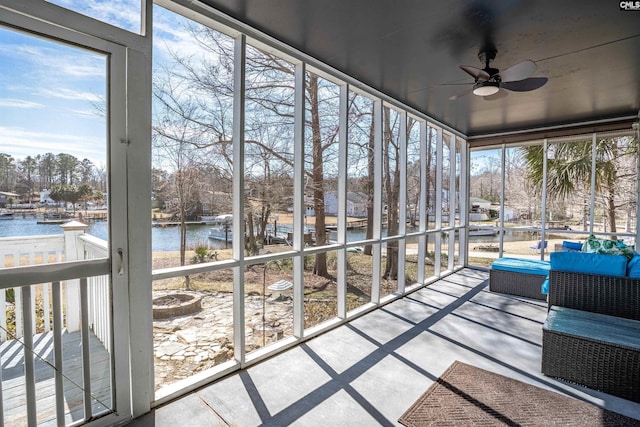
x,y
269,96
391,188
175,140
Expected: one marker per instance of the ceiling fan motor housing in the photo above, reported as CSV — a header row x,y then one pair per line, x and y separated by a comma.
x,y
486,57
487,88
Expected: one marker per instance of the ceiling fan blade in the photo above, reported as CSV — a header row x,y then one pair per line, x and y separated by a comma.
x,y
525,85
453,84
498,95
459,95
474,72
519,71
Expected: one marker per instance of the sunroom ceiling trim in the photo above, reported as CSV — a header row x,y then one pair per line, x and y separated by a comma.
x,y
560,131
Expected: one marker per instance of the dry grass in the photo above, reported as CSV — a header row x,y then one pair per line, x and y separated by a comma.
x,y
320,293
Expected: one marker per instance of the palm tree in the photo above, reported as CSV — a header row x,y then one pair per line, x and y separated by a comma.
x,y
569,170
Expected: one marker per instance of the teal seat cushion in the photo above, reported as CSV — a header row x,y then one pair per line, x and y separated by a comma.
x,y
594,326
633,267
590,263
571,246
544,288
519,265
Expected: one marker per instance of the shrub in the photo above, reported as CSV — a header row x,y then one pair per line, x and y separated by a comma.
x,y
203,254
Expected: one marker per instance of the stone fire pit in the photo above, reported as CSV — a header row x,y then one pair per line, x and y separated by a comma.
x,y
176,304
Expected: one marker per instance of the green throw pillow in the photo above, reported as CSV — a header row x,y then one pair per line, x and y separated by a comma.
x,y
607,246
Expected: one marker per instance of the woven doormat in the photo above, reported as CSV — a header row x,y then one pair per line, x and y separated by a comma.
x,y
465,396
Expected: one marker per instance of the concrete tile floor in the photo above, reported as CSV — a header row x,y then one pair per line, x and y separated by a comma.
x,y
369,371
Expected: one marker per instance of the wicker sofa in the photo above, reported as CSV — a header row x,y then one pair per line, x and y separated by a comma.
x,y
592,334
598,293
520,277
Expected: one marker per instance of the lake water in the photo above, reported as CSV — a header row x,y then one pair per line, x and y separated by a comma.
x,y
168,238
162,239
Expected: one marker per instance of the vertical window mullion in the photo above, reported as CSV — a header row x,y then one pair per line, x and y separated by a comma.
x,y
592,201
402,200
452,202
637,240
298,201
438,204
464,198
503,157
377,200
543,218
342,200
424,188
239,84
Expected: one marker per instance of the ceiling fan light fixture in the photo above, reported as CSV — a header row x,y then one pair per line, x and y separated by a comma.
x,y
486,88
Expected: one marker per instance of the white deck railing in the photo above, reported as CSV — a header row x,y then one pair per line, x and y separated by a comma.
x,y
58,283
22,251
98,289
72,245
57,277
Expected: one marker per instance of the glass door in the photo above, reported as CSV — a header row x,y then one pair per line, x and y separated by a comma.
x,y
63,226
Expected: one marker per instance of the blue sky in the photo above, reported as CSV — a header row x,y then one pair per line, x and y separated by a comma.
x,y
50,93
48,98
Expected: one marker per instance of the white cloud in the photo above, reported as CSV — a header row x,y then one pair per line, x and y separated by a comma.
x,y
49,61
88,113
171,34
71,94
19,103
20,142
122,13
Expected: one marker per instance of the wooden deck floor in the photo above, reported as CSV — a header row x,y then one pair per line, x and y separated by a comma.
x,y
13,379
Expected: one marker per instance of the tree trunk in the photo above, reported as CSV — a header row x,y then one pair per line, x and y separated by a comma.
x,y
250,239
370,184
183,244
428,195
392,188
611,213
320,266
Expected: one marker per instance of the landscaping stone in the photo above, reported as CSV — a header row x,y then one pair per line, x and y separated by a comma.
x,y
185,345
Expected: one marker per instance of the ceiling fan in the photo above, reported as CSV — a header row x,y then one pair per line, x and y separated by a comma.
x,y
489,81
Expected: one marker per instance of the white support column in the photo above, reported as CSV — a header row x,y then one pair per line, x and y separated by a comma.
x,y
402,200
543,217
637,225
298,201
73,252
424,214
503,157
451,242
376,257
343,140
438,204
464,202
238,197
131,246
592,201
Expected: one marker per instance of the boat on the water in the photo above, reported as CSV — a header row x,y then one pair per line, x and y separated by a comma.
x,y
6,215
222,228
482,230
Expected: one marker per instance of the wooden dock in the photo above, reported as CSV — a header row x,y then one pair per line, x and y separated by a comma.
x,y
353,224
175,223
